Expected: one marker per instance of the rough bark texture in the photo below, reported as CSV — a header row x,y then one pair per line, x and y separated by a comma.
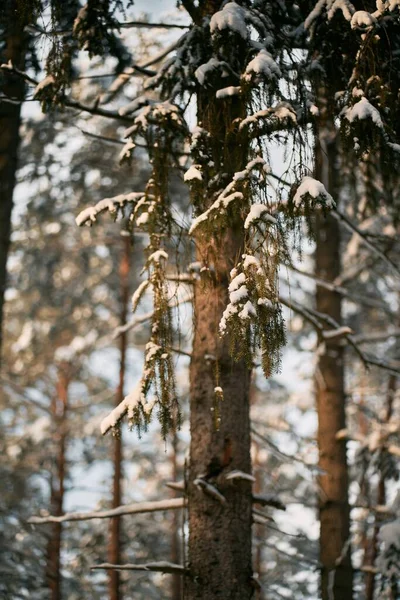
x,y
219,534
114,545
60,414
11,87
336,571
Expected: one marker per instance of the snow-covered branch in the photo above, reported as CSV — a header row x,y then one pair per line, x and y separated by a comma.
x,y
88,215
129,509
160,566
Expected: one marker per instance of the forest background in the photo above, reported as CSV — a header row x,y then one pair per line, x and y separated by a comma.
x,y
72,351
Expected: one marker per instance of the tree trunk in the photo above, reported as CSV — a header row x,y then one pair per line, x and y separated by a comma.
x,y
12,87
219,533
372,551
114,545
60,414
335,555
176,579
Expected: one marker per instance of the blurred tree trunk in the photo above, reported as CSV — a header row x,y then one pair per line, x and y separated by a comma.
x,y
335,555
60,416
372,550
114,546
219,532
176,579
12,48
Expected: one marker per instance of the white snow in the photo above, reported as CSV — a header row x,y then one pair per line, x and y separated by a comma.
x,y
337,333
49,80
201,73
264,302
228,91
231,17
193,173
88,215
238,295
133,106
142,219
362,20
230,310
127,150
247,311
228,196
221,203
236,474
250,261
127,406
257,212
156,256
262,64
280,112
315,189
138,294
237,281
363,109
330,6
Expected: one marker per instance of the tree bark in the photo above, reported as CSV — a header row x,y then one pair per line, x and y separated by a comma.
x,y
60,414
12,87
114,545
219,533
176,579
372,551
335,555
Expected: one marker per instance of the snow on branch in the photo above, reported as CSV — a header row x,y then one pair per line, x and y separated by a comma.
x,y
209,489
128,406
270,119
337,333
128,509
236,474
229,194
162,566
88,215
362,110
147,316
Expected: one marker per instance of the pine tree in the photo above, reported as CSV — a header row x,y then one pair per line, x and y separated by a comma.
x,y
248,66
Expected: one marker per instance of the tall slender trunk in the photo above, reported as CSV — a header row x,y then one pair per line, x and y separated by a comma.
x,y
219,533
176,580
114,545
10,112
372,551
335,555
259,530
60,415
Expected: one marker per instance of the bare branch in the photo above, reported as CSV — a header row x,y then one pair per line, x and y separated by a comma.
x,y
334,286
161,566
129,509
352,227
268,500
